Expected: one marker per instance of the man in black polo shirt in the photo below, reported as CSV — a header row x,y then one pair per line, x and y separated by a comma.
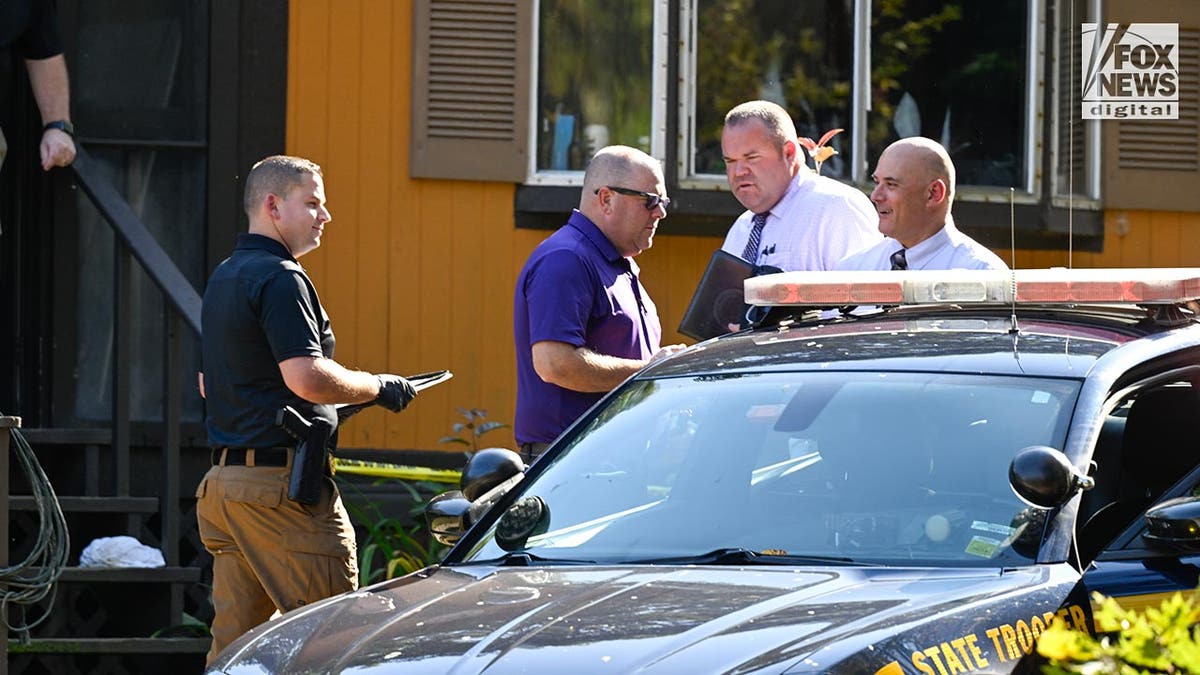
x,y
267,343
29,28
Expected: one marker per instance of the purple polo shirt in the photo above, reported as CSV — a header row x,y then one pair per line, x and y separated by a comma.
x,y
575,288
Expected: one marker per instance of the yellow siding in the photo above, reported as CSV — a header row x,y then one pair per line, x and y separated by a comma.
x,y
418,275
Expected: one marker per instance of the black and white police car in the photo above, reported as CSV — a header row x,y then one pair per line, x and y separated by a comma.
x,y
921,487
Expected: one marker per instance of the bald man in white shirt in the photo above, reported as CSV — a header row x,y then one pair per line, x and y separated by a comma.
x,y
914,189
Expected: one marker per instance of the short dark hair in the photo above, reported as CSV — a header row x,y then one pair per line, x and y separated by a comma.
x,y
277,175
774,118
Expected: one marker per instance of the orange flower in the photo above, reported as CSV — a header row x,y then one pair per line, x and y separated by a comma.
x,y
818,150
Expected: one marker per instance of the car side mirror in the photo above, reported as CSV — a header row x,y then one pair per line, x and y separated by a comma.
x,y
1174,525
1043,477
488,468
444,516
488,475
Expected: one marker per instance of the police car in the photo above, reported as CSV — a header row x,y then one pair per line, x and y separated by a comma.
x,y
918,485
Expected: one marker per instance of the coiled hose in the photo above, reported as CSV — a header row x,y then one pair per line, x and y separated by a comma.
x,y
35,578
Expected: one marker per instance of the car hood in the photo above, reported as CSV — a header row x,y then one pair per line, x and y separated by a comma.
x,y
644,619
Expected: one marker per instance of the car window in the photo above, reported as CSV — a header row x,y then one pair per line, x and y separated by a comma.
x,y
1146,447
880,467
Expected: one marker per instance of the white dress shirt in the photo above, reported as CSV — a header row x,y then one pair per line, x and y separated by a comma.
x,y
949,249
815,224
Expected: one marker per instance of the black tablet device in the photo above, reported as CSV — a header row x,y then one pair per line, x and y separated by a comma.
x,y
719,299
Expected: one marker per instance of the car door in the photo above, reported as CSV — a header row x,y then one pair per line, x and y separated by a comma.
x,y
1158,459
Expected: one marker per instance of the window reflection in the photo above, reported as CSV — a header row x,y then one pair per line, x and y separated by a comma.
x,y
594,79
954,72
797,54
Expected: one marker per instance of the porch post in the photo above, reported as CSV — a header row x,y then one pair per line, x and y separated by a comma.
x,y
6,423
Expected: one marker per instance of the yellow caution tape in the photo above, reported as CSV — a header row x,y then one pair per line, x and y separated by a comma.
x,y
384,470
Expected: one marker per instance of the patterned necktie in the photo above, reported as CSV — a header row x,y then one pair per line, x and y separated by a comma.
x,y
750,255
898,260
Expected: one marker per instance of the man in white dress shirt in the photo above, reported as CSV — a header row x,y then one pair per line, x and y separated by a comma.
x,y
914,188
804,221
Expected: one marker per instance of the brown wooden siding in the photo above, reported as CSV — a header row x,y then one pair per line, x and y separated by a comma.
x,y
418,274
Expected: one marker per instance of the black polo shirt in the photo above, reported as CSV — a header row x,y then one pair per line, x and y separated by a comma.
x,y
30,27
260,308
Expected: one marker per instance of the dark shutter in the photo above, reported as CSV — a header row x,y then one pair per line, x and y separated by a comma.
x,y
1155,164
472,74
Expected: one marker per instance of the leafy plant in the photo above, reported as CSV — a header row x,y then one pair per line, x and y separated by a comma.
x,y
467,433
1163,639
391,548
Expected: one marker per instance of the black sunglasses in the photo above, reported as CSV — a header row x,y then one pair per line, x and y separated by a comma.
x,y
652,200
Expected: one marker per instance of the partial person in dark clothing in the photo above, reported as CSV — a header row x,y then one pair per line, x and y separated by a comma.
x,y
582,320
29,29
267,342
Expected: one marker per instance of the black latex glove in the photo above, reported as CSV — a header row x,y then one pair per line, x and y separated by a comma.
x,y
395,392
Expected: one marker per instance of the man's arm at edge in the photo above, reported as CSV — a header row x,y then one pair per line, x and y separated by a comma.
x,y
325,381
581,369
51,89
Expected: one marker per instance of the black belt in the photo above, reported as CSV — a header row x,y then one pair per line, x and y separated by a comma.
x,y
277,456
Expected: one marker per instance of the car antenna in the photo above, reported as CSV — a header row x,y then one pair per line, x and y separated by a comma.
x,y
1071,153
1012,243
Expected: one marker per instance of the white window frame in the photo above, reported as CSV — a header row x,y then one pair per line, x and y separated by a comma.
x,y
1087,180
1085,192
658,99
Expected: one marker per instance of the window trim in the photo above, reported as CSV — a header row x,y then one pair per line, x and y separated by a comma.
x,y
1070,196
659,63
860,172
1037,218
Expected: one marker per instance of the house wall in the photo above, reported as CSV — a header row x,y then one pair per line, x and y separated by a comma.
x,y
418,275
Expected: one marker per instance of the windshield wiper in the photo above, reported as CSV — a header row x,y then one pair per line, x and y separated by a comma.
x,y
526,559
743,556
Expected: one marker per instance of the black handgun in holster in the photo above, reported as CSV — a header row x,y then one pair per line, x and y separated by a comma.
x,y
310,460
317,438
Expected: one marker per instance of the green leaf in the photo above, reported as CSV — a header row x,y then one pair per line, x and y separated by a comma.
x,y
489,426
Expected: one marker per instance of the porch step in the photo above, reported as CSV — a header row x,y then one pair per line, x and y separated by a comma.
x,y
156,575
117,645
62,436
90,504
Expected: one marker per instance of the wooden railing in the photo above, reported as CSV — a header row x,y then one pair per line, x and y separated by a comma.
x,y
134,242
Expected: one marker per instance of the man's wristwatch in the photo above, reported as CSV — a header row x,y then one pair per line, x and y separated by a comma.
x,y
64,126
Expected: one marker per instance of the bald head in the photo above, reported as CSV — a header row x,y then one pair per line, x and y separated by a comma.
x,y
928,159
616,165
615,189
914,187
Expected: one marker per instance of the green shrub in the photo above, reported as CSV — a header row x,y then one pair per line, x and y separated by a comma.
x,y
1163,639
391,547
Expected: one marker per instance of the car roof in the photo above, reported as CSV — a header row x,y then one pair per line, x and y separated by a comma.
x,y
1049,341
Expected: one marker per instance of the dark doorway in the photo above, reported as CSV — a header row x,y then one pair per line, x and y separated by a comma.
x,y
173,100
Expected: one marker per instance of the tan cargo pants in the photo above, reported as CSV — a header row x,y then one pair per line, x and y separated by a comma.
x,y
270,552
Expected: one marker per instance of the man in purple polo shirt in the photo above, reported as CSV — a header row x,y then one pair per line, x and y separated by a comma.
x,y
582,320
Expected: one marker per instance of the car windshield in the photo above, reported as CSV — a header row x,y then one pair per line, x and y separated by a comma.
x,y
792,468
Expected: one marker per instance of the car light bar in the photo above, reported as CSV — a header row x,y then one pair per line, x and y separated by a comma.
x,y
970,287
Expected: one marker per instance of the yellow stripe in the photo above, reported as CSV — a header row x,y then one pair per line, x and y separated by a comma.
x,y
1139,603
382,470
